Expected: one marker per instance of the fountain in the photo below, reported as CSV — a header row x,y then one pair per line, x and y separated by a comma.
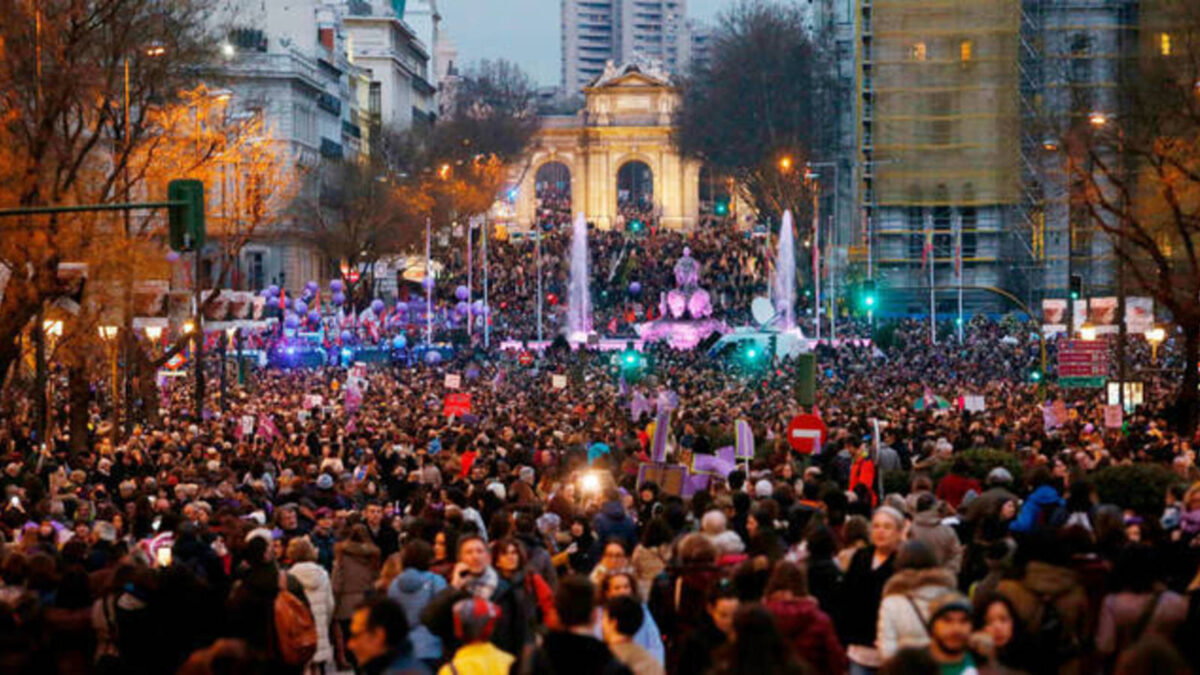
x,y
686,310
579,302
783,285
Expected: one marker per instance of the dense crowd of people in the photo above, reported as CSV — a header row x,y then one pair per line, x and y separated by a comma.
x,y
318,519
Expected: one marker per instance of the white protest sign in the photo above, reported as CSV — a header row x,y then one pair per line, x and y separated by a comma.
x,y
558,381
453,381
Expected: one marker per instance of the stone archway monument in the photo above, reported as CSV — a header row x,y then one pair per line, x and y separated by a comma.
x,y
623,134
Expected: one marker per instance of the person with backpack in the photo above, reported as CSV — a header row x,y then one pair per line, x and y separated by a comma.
x,y
1051,602
1139,605
268,609
413,589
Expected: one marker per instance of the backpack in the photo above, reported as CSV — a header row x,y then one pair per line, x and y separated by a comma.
x,y
1052,640
295,629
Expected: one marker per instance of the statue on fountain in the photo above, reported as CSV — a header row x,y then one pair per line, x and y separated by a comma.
x,y
687,300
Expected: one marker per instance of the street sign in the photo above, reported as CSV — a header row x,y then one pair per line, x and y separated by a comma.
x,y
1083,363
525,358
806,433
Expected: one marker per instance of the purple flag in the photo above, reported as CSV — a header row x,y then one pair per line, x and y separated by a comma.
x,y
744,443
667,400
712,465
640,406
694,483
727,454
662,429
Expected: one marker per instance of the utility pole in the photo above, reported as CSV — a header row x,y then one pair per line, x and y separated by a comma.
x,y
538,245
486,308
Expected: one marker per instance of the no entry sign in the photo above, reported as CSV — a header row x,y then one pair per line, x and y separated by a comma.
x,y
806,433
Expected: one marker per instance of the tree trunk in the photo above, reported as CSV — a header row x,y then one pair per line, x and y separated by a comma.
x,y
1186,402
78,404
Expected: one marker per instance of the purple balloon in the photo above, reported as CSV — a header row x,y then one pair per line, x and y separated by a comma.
x,y
433,356
377,306
339,298
462,293
291,321
635,288
314,317
427,283
461,309
266,293
300,306
337,286
347,336
311,286
273,290
172,256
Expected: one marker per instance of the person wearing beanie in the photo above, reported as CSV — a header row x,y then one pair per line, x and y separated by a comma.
x,y
862,587
949,627
474,621
907,596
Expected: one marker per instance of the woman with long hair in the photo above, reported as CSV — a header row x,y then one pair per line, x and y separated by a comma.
x,y
758,647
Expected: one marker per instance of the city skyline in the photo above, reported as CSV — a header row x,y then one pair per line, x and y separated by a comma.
x,y
525,31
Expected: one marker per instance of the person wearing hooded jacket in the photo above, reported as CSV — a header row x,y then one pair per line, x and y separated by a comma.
x,y
612,522
808,630
907,596
928,527
413,589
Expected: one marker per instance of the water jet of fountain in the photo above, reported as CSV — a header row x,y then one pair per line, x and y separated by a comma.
x,y
579,302
783,285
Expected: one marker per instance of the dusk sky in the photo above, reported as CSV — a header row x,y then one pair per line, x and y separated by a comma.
x,y
525,31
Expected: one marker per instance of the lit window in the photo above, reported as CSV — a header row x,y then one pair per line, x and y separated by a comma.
x,y
966,50
1164,44
917,52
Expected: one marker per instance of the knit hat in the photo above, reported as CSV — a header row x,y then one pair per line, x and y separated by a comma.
x,y
474,619
952,601
325,482
999,476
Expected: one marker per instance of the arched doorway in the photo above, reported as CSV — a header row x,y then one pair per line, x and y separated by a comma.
x,y
552,189
635,192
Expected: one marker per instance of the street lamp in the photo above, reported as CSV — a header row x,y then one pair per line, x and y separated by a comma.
x,y
785,163
188,327
1087,332
1098,119
108,332
53,327
153,333
1155,337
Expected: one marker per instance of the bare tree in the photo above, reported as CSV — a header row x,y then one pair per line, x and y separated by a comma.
x,y
1140,173
763,107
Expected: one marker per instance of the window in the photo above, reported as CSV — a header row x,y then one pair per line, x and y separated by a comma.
x,y
256,270
970,237
966,50
304,124
1164,44
917,52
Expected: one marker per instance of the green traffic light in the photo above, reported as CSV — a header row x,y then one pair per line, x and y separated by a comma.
x,y
870,300
1036,376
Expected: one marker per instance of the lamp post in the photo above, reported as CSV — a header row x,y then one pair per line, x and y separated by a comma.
x,y
1087,332
1155,336
109,335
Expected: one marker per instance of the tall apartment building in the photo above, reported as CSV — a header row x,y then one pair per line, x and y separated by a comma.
x,y
963,111
597,31
397,63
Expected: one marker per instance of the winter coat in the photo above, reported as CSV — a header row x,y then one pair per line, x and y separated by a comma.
x,y
1031,516
613,523
810,633
647,563
861,594
319,591
1045,583
513,629
927,527
413,590
355,567
904,611
1120,614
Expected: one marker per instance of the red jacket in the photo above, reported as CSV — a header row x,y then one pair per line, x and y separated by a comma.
x,y
862,472
810,633
953,488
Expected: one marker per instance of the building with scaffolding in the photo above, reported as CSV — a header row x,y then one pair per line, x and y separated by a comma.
x,y
964,114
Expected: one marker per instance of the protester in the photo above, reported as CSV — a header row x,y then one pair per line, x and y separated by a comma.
x,y
623,619
379,640
474,619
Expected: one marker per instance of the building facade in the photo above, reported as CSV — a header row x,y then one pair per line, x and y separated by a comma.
x,y
614,160
323,77
595,32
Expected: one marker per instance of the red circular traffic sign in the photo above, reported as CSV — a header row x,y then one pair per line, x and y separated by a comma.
x,y
525,358
806,433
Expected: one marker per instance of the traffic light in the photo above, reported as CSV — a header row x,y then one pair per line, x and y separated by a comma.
x,y
1035,375
186,232
869,298
1076,286
806,379
636,226
722,207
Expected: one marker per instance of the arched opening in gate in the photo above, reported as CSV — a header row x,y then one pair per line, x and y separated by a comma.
x,y
552,189
635,193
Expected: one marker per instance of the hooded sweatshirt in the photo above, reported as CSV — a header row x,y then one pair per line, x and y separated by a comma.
x,y
412,590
